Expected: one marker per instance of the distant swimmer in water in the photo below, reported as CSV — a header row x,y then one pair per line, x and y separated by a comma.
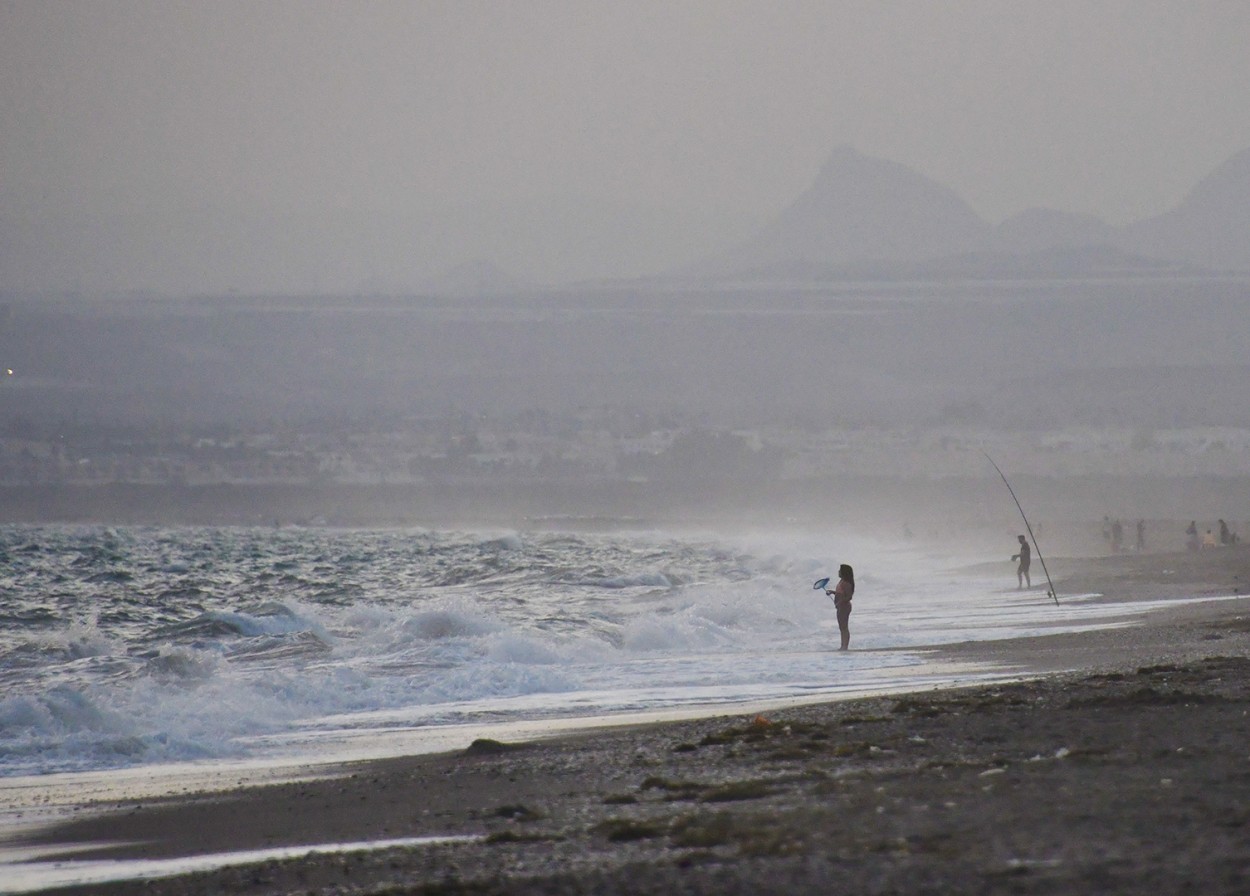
x,y
1022,571
842,594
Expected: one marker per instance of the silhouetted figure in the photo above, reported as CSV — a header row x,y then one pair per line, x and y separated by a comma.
x,y
1141,536
1117,537
1191,533
1022,571
842,594
1226,537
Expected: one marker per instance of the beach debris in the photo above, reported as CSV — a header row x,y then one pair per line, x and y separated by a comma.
x,y
486,746
738,790
704,831
1027,864
512,835
673,790
761,721
518,812
624,830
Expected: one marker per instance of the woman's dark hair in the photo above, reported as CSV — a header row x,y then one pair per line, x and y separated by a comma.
x,y
845,572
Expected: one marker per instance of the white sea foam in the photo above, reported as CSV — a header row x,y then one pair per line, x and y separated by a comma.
x,y
301,644
25,873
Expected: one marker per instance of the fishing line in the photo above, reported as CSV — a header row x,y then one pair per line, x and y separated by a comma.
x,y
1032,537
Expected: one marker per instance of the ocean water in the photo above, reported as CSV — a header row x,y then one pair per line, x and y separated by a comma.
x,y
124,648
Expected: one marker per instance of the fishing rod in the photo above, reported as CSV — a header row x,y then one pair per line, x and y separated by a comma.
x,y
1033,537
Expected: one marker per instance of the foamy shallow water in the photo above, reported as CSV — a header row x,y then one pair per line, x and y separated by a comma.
x,y
26,872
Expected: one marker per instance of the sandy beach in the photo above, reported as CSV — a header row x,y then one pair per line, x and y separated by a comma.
x,y
1120,763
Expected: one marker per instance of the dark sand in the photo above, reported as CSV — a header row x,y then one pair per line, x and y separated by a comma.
x,y
1129,775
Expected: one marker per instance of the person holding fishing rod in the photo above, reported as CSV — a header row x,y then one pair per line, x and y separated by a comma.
x,y
842,594
1024,545
1022,571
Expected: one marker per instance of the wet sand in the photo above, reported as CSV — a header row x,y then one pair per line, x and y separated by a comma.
x,y
1123,768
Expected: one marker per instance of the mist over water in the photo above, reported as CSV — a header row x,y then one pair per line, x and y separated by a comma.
x,y
872,403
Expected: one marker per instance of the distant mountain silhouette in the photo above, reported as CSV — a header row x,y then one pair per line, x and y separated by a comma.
x,y
864,217
860,209
1211,226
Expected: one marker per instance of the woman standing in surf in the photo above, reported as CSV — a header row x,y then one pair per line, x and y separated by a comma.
x,y
842,594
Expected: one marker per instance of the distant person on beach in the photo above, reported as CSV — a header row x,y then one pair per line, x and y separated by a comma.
x,y
1022,571
1141,536
1117,537
842,594
1191,541
1226,537
1208,540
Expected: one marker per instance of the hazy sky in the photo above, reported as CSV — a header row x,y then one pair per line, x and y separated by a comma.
x,y
705,108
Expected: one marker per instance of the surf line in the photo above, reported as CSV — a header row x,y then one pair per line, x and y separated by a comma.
x,y
1032,537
